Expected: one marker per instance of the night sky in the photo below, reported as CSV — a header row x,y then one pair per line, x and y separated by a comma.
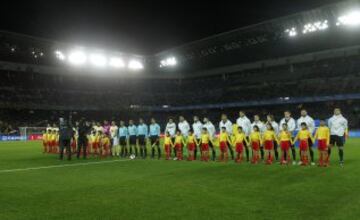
x,y
139,27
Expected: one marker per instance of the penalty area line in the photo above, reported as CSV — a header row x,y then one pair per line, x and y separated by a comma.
x,y
61,166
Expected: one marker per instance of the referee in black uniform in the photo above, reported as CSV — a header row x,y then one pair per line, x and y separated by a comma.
x,y
65,134
84,130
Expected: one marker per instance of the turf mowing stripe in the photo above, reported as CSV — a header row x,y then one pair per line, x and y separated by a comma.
x,y
60,166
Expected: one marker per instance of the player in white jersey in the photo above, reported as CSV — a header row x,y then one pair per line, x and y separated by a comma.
x,y
211,131
245,124
226,123
271,120
171,128
114,131
262,127
310,123
197,128
291,126
338,126
184,127
258,123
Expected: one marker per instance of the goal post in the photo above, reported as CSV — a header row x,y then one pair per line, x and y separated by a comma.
x,y
27,131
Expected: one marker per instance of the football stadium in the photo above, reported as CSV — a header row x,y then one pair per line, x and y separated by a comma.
x,y
261,121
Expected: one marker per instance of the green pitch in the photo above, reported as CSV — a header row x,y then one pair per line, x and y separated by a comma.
x,y
153,189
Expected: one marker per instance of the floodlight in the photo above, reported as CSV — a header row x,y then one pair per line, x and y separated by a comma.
x,y
350,19
135,65
292,32
116,62
60,55
316,26
77,57
98,60
171,61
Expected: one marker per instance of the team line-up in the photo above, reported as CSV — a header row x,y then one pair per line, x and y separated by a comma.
x,y
262,139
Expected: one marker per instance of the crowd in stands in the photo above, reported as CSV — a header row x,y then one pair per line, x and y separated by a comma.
x,y
31,99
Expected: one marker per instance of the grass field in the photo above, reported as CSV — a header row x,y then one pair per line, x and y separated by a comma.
x,y
152,189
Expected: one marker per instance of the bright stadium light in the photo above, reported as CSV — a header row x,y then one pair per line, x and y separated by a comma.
x,y
316,26
116,62
171,61
135,65
98,60
350,19
292,32
60,55
77,58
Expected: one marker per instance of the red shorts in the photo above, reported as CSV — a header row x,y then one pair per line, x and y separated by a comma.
x,y
73,144
285,145
95,145
167,148
322,144
106,147
239,147
269,145
191,146
255,145
204,147
53,144
223,146
178,147
304,145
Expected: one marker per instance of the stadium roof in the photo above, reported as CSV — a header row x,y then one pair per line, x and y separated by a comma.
x,y
271,39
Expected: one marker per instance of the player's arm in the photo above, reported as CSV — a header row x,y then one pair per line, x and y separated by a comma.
x,y
328,137
229,140
296,137
311,137
316,136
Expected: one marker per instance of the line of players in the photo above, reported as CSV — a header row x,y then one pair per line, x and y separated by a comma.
x,y
261,138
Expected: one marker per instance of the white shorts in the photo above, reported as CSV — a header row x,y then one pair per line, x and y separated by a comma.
x,y
115,141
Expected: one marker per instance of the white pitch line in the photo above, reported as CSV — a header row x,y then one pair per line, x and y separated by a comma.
x,y
60,166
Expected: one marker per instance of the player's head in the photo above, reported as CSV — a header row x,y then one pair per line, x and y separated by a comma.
x,y
284,127
178,132
196,118
131,122
256,128
77,123
303,112
113,123
204,130
171,120
303,126
106,122
153,121
191,132
98,123
224,117
205,120
287,114
167,134
256,118
122,123
270,117
322,123
269,127
181,118
223,129
240,129
241,114
141,121
337,111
